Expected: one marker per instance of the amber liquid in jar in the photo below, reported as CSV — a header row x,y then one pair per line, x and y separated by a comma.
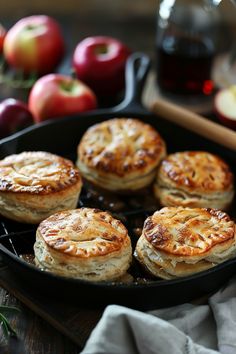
x,y
184,66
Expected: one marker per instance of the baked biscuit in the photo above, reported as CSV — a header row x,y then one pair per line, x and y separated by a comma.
x,y
178,241
83,243
194,179
120,154
34,185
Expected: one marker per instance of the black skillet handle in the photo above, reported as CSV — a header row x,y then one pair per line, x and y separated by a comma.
x,y
137,68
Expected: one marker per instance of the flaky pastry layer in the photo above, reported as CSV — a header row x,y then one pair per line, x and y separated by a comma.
x,y
160,265
169,196
181,241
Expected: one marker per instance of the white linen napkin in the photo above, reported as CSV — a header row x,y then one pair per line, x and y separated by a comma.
x,y
183,329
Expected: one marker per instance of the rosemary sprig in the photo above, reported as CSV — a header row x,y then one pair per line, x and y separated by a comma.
x,y
8,331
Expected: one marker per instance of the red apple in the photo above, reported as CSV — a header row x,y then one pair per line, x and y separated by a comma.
x,y
34,44
225,106
100,63
56,95
14,115
2,36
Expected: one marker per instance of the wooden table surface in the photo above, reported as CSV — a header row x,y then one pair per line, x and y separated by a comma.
x,y
35,335
137,30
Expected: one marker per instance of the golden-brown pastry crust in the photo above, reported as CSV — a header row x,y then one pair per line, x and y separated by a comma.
x,y
36,172
34,185
179,241
188,231
195,179
83,243
116,152
84,233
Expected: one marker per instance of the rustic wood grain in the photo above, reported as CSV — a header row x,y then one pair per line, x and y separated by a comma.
x,y
73,322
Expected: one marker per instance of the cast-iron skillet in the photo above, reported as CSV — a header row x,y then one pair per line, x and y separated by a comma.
x,y
61,137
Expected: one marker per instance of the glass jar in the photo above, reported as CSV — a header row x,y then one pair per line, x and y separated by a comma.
x,y
191,36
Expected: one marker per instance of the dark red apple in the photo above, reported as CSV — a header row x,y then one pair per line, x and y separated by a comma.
x,y
34,44
57,95
14,115
225,106
100,62
2,36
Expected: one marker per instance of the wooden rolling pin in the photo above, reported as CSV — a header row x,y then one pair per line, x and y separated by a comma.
x,y
195,123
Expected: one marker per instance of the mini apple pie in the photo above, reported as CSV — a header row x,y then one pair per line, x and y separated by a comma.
x,y
83,243
194,179
178,241
34,185
120,154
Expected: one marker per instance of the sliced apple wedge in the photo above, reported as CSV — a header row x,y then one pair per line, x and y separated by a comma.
x,y
225,106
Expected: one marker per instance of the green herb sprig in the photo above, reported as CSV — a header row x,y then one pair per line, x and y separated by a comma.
x,y
15,78
8,331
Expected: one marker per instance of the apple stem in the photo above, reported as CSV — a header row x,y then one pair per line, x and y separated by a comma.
x,y
30,27
67,86
101,49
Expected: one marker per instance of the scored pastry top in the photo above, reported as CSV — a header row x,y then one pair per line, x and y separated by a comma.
x,y
189,231
84,233
37,172
121,146
197,171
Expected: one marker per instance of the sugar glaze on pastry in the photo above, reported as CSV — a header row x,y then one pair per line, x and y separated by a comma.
x,y
36,184
120,154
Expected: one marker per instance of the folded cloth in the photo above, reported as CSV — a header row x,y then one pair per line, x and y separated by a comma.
x,y
183,329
